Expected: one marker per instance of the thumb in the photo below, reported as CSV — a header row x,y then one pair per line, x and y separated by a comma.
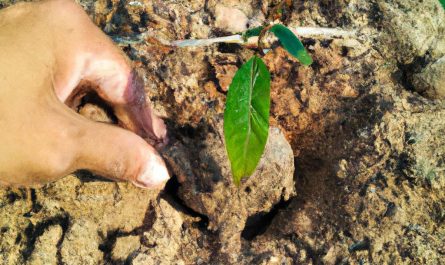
x,y
119,154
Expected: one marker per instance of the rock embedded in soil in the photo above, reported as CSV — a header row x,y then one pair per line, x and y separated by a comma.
x,y
431,81
207,185
411,29
230,19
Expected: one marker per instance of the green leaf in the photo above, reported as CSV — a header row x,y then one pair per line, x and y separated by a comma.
x,y
291,43
443,3
253,32
246,117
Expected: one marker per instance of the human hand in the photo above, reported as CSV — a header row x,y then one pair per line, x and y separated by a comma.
x,y
46,50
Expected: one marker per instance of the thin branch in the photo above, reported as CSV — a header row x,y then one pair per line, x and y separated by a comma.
x,y
251,42
301,31
206,42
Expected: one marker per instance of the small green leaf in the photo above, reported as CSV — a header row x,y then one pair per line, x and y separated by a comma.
x,y
291,43
443,3
253,32
246,117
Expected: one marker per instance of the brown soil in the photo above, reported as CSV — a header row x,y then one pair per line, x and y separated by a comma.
x,y
365,124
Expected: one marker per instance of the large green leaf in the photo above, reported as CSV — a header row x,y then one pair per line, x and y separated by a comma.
x,y
291,43
246,117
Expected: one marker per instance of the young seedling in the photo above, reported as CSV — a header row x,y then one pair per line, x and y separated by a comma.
x,y
246,116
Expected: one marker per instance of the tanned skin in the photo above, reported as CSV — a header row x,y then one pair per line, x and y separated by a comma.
x,y
46,49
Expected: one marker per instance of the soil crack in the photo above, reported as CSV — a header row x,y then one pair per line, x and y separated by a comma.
x,y
33,232
258,223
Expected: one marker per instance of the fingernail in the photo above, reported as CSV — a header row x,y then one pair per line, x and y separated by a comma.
x,y
154,175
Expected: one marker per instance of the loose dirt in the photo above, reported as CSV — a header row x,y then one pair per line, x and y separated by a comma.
x,y
354,167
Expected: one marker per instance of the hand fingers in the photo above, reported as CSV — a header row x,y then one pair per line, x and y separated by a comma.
x,y
137,115
94,58
118,154
124,90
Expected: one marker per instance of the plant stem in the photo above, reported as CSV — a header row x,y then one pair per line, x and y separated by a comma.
x,y
301,31
205,42
251,42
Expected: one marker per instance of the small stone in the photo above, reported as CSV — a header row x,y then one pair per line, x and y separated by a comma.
x,y
210,88
348,91
230,19
225,74
302,255
330,256
431,81
342,168
95,113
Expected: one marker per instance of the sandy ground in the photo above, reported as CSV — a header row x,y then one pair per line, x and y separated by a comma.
x,y
354,167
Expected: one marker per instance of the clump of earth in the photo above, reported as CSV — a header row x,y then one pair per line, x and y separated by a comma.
x,y
353,171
